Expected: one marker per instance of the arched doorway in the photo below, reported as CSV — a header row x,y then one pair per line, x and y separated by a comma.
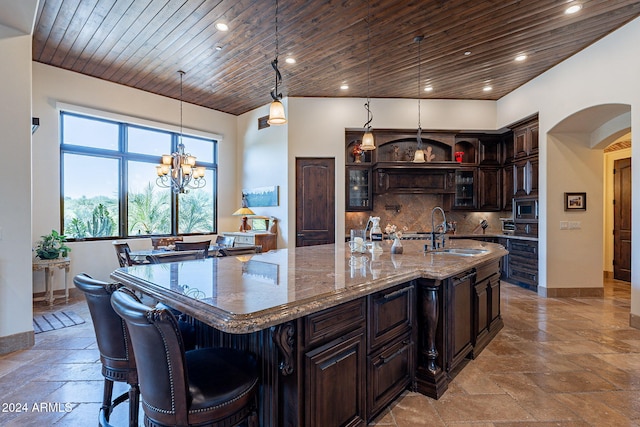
x,y
575,163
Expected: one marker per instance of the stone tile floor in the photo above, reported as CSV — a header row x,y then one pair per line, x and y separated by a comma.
x,y
568,362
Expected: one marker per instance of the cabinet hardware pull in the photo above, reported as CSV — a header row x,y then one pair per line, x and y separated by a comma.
x,y
465,277
395,294
388,359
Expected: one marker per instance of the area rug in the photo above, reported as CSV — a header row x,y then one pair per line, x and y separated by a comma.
x,y
58,320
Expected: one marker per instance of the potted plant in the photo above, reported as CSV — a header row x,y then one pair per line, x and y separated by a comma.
x,y
52,246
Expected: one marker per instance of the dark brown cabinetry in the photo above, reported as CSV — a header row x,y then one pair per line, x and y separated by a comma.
x,y
334,359
508,189
459,319
487,318
391,358
489,188
490,150
335,382
359,182
523,263
525,161
358,357
359,194
465,189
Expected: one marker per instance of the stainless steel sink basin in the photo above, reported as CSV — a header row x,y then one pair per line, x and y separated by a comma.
x,y
460,251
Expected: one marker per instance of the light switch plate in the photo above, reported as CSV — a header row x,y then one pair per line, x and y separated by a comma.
x,y
574,225
564,225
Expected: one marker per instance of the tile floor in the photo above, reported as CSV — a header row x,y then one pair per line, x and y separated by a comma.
x,y
558,362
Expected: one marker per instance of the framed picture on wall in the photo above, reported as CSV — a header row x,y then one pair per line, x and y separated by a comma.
x,y
575,201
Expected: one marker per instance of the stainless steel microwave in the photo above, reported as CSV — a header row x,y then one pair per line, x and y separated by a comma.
x,y
525,210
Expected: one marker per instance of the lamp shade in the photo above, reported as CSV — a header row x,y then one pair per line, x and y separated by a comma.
x,y
244,211
367,141
276,113
419,157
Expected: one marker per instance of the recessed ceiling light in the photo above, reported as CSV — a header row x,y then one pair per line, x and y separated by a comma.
x,y
221,26
290,60
487,88
344,86
521,58
467,53
428,88
218,47
572,9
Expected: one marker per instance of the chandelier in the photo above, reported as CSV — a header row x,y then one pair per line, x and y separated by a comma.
x,y
367,139
276,109
419,155
178,170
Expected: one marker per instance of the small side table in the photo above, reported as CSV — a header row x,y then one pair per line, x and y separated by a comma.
x,y
49,266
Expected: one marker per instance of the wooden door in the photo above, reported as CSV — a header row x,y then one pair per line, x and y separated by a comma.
x,y
622,220
315,201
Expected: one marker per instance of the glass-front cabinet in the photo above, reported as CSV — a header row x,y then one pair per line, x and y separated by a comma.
x,y
359,189
465,182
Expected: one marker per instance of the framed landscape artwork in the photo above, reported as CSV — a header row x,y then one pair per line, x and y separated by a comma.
x,y
261,196
575,201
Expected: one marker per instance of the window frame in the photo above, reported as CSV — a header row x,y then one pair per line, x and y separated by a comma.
x,y
122,156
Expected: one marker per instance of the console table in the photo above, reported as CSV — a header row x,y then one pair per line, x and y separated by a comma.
x,y
49,266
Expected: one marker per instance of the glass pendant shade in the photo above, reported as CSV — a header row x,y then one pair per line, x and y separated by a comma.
x,y
419,157
367,141
276,113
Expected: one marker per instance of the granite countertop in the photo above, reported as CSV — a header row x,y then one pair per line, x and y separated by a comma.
x,y
248,293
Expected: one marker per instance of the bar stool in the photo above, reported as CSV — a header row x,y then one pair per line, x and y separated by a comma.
x,y
116,353
208,386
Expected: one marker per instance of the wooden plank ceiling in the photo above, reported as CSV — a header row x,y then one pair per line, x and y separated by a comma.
x,y
143,44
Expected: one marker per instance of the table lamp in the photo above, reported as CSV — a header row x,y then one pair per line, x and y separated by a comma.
x,y
244,211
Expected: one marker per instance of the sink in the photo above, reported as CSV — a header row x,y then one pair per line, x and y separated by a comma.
x,y
460,251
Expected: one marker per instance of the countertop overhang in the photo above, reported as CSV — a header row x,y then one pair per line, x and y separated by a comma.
x,y
245,294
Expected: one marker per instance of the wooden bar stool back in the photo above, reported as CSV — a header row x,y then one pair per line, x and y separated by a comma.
x,y
207,386
116,353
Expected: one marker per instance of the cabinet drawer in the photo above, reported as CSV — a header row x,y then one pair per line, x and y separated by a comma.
x,y
390,314
389,371
524,249
245,240
333,322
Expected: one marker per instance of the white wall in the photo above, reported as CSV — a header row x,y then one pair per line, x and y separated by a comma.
x,y
604,73
15,186
52,85
262,161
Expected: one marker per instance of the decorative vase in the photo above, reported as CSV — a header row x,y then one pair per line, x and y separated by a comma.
x,y
358,158
396,248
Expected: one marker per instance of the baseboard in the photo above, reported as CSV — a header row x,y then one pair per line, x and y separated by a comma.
x,y
59,293
634,321
571,292
16,342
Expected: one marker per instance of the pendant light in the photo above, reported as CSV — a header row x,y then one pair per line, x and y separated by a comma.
x,y
276,109
367,139
178,170
419,155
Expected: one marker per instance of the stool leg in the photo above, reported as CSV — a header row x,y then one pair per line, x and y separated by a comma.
x,y
134,401
106,398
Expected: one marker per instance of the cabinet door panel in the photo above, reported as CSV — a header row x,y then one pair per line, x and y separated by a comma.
x,y
389,372
489,189
507,188
335,383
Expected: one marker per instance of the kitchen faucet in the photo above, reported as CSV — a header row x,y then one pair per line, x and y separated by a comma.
x,y
434,229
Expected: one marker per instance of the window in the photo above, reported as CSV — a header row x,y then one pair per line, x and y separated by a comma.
x,y
108,172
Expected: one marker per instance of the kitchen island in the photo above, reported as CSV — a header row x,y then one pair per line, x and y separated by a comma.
x,y
338,336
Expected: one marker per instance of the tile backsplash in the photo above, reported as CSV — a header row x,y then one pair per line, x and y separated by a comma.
x,y
414,212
